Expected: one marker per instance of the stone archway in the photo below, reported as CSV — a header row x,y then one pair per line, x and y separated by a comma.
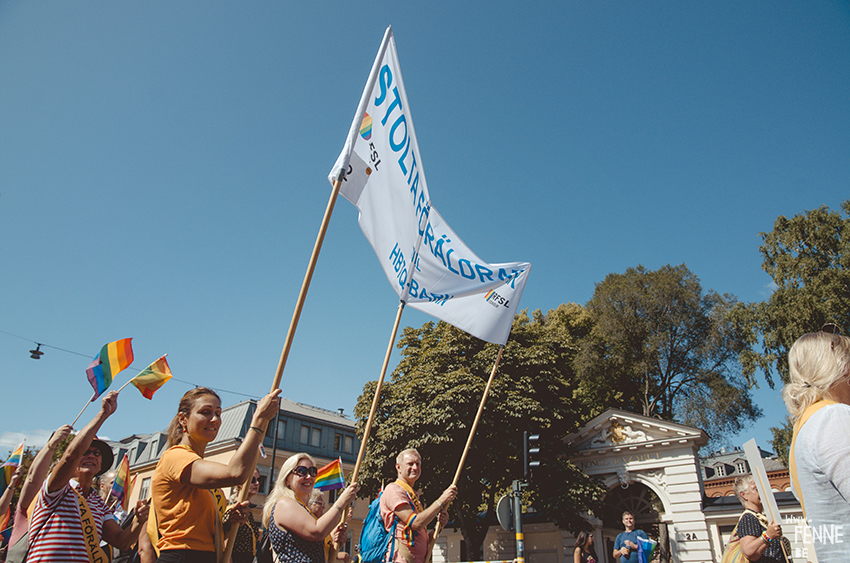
x,y
647,507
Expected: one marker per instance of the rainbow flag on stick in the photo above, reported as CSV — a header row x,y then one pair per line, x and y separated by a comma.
x,y
121,483
330,477
646,548
10,466
113,358
152,377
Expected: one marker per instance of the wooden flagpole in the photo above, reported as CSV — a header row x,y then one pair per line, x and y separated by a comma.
x,y
366,431
81,413
472,431
290,335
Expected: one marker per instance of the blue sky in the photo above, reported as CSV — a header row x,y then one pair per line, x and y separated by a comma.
x,y
163,173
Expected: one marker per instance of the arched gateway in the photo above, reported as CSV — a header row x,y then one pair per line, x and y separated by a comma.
x,y
651,468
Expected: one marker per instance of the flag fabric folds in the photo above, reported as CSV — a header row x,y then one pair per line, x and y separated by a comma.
x,y
113,358
152,377
645,549
426,263
9,466
121,483
330,477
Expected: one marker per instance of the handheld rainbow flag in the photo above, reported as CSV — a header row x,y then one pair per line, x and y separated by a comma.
x,y
113,358
9,467
645,549
121,482
152,377
6,534
330,477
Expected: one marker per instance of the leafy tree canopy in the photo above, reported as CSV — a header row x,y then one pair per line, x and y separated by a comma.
x,y
808,257
661,346
432,400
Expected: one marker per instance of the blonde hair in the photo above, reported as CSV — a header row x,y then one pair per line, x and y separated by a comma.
x,y
742,483
399,459
817,361
281,489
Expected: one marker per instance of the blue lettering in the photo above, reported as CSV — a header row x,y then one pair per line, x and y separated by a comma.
x,y
449,260
393,145
429,237
404,154
461,263
425,213
438,251
414,286
385,78
483,271
396,103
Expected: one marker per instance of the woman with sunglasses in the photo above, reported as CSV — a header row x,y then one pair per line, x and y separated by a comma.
x,y
297,534
818,398
188,503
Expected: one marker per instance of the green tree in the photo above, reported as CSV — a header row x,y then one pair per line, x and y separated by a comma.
x,y
433,396
808,258
26,461
661,346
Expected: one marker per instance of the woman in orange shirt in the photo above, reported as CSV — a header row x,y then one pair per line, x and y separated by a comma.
x,y
187,500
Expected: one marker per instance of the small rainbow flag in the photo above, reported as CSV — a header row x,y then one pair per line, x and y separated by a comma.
x,y
113,358
152,377
121,483
330,477
646,547
10,466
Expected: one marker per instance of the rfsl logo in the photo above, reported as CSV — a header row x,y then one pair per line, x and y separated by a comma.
x,y
495,299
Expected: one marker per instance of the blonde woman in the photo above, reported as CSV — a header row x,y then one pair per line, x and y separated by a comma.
x,y
297,534
818,399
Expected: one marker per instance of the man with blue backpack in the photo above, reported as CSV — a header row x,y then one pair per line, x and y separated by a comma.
x,y
403,515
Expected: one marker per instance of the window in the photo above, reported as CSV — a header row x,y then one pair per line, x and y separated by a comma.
x,y
281,430
720,470
144,492
262,487
343,443
742,467
311,436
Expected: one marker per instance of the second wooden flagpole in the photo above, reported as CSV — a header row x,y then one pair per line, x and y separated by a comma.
x,y
366,431
290,335
468,444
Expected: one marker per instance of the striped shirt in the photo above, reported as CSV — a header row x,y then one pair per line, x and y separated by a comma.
x,y
56,532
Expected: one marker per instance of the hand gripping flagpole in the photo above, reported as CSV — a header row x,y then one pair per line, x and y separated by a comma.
x,y
472,430
361,454
290,335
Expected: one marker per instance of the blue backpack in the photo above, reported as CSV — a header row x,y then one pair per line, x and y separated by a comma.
x,y
374,538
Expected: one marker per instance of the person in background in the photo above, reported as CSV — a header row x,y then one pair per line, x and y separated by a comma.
x,y
584,552
625,546
68,504
297,535
818,398
340,534
248,537
188,503
760,540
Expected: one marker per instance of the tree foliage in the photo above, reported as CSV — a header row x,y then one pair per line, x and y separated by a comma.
x,y
26,461
663,347
808,258
432,399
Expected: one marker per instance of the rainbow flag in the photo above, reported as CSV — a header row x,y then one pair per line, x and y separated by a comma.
x,y
122,481
645,549
152,377
113,358
330,477
10,466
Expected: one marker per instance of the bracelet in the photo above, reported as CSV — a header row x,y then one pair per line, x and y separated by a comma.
x,y
765,538
441,504
257,430
338,508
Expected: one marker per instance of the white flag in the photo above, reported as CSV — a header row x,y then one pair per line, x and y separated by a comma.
x,y
427,264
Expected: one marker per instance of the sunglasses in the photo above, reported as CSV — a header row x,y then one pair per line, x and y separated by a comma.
x,y
302,471
254,480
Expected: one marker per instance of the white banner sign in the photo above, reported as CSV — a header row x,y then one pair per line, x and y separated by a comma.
x,y
427,264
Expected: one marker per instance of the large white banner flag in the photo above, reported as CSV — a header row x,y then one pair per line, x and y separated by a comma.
x,y
427,264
